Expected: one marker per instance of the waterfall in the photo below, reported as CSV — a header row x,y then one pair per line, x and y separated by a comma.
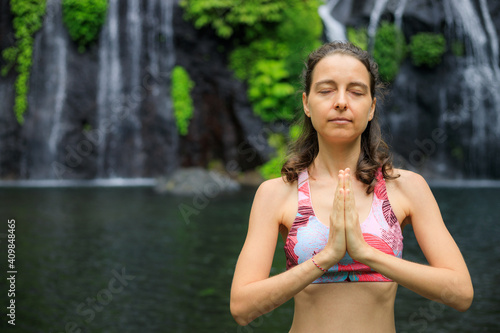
x,y
125,85
334,29
47,96
377,11
398,13
480,83
135,158
109,87
161,51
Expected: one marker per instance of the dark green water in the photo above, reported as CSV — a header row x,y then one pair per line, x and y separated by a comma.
x,y
128,260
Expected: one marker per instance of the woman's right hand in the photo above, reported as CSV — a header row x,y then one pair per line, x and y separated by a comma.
x,y
335,248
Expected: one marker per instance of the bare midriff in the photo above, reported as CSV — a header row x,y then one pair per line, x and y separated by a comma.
x,y
345,307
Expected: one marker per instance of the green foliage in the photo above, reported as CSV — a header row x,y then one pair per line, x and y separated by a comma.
x,y
28,15
84,19
294,132
181,98
427,49
272,168
358,37
224,16
389,50
272,64
274,37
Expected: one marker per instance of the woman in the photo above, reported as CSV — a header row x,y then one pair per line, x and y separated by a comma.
x,y
340,207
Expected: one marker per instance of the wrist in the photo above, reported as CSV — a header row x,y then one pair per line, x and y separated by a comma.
x,y
365,256
325,259
319,266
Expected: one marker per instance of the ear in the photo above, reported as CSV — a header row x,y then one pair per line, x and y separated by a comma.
x,y
372,109
304,104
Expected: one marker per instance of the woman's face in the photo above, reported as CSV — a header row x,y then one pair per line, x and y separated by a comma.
x,y
339,104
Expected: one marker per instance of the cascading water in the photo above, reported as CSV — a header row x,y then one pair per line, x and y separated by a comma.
x,y
48,96
376,13
479,81
123,86
109,87
460,102
334,29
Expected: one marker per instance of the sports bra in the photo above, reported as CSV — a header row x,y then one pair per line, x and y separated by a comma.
x,y
308,235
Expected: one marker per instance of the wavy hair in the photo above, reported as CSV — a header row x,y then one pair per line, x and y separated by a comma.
x,y
374,153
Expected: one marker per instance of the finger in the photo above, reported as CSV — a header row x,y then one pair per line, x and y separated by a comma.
x,y
350,210
337,209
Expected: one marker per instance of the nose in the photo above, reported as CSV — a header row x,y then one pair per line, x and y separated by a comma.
x,y
340,102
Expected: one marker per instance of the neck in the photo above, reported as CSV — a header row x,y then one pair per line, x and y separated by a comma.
x,y
334,157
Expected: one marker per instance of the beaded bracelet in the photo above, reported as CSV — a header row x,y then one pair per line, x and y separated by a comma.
x,y
314,262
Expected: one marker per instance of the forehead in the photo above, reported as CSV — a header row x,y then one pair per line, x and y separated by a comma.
x,y
340,68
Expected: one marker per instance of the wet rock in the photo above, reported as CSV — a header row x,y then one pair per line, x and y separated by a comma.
x,y
191,181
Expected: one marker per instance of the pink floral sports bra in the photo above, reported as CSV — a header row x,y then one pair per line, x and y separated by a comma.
x,y
308,235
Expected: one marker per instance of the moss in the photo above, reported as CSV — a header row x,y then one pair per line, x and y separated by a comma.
x,y
427,49
389,50
271,61
272,168
28,17
84,19
224,16
358,37
181,98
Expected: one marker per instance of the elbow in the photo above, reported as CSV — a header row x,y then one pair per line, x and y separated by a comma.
x,y
238,314
465,299
462,299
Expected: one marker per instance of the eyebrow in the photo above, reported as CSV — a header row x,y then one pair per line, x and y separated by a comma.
x,y
354,83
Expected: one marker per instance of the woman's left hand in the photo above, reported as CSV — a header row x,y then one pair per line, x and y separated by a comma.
x,y
355,243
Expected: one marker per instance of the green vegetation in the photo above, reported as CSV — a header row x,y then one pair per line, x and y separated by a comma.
x,y
389,50
181,98
272,168
358,37
272,38
427,49
28,17
84,19
224,16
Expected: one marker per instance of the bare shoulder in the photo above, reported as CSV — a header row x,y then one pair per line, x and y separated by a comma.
x,y
276,190
276,196
405,192
408,183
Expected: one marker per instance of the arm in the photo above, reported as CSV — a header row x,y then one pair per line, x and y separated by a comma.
x,y
253,292
446,278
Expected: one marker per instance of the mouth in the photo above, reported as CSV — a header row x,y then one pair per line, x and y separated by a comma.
x,y
340,120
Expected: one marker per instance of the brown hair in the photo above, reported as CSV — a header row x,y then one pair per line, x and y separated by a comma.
x,y
374,151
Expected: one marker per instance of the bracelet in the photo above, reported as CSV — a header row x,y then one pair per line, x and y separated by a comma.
x,y
314,262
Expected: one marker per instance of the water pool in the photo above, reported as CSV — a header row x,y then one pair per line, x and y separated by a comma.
x,y
125,259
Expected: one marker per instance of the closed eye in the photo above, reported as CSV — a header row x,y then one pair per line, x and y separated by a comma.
x,y
357,93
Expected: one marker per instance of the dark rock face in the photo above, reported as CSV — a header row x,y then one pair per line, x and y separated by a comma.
x,y
443,122
10,138
107,112
223,126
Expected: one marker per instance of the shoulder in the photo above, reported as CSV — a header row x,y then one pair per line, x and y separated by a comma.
x,y
408,183
407,192
276,190
275,196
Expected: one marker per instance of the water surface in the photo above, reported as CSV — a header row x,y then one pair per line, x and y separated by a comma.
x,y
125,259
